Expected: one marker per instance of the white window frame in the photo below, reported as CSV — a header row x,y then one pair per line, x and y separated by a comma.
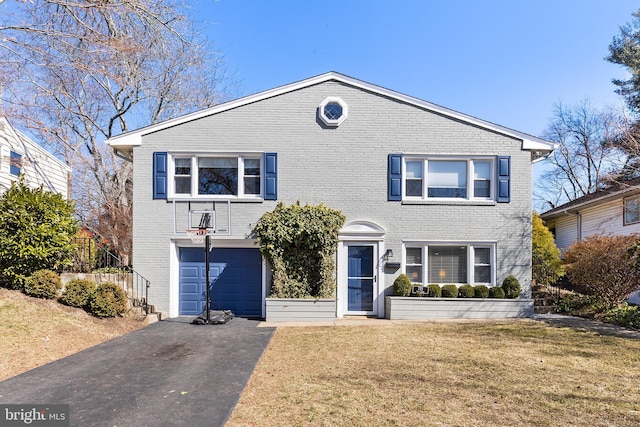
x,y
193,194
469,179
636,198
329,121
424,245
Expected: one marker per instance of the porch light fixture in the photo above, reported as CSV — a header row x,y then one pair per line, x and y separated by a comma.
x,y
388,254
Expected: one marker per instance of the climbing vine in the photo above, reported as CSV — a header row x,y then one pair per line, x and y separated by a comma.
x,y
300,243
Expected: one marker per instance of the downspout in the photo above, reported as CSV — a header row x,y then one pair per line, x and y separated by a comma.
x,y
122,156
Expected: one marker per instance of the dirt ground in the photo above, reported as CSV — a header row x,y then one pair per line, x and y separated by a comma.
x,y
35,331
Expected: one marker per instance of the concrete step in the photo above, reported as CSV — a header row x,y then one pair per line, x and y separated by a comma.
x,y
546,309
155,317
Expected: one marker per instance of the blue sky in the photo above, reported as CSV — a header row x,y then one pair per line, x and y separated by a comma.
x,y
505,61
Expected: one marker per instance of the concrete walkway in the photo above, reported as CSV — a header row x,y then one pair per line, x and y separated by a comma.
x,y
170,373
560,320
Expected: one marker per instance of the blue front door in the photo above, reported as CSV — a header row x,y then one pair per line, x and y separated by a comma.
x,y
236,281
360,278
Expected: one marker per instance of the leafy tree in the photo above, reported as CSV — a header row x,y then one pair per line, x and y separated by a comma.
x,y
300,242
36,233
82,72
546,265
604,265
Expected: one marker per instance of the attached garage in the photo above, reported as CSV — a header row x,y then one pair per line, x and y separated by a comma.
x,y
236,281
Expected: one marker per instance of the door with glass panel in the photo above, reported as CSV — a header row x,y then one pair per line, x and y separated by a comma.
x,y
361,278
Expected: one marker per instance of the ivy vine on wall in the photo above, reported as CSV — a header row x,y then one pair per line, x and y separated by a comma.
x,y
300,243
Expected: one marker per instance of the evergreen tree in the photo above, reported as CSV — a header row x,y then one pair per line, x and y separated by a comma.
x,y
37,233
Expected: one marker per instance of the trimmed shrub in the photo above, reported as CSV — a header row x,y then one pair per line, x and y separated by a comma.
x,y
605,266
402,286
14,281
77,293
481,291
496,292
466,291
434,290
511,287
108,300
449,291
43,284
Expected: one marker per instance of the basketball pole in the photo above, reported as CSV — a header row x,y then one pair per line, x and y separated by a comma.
x,y
207,243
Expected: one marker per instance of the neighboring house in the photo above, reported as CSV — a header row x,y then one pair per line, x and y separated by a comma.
x,y
615,210
19,155
448,194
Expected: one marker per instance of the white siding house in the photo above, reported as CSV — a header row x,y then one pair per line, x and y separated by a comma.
x,y
20,156
615,210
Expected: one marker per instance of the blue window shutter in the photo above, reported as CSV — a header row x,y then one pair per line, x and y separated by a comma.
x,y
271,176
504,179
394,187
159,175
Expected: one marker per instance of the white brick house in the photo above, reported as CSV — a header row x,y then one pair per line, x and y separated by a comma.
x,y
20,156
448,194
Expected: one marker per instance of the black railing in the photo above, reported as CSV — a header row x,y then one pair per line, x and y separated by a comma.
x,y
554,291
108,267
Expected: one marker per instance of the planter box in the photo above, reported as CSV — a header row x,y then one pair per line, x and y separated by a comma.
x,y
300,310
415,308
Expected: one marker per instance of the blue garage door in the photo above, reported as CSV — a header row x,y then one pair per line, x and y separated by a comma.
x,y
236,281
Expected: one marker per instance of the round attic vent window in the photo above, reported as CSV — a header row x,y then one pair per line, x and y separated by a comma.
x,y
333,111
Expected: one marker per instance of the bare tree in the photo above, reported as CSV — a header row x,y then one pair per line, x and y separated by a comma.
x,y
83,71
628,144
585,157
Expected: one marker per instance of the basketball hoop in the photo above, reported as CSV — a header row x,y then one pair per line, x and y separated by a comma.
x,y
197,235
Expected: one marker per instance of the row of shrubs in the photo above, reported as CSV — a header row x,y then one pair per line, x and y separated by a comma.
x,y
104,300
510,288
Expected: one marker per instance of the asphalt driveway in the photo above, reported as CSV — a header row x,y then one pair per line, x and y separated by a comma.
x,y
171,373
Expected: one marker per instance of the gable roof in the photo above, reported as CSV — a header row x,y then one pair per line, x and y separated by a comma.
x,y
592,199
125,142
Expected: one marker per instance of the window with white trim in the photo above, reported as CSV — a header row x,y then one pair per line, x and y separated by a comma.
x,y
333,111
632,210
450,263
448,178
413,264
217,175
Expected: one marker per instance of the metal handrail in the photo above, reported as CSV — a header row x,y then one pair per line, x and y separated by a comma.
x,y
109,267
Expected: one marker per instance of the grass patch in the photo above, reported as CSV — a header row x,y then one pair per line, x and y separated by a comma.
x,y
35,331
443,374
